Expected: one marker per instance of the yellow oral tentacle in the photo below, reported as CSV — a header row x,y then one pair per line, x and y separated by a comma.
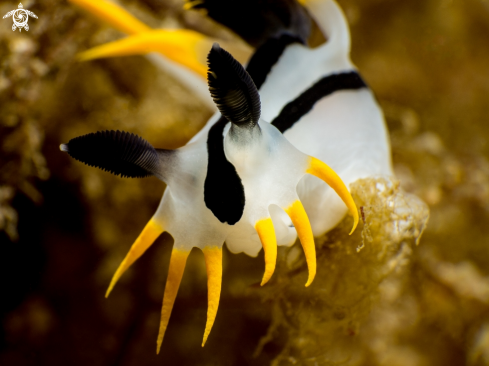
x,y
213,263
185,47
147,237
175,273
300,220
324,172
114,15
266,232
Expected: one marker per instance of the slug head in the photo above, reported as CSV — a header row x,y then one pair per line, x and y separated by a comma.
x,y
266,164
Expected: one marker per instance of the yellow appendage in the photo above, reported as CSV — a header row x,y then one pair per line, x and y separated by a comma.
x,y
175,272
266,232
301,222
147,237
213,263
185,47
324,172
113,14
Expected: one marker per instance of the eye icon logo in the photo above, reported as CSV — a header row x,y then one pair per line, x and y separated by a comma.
x,y
20,17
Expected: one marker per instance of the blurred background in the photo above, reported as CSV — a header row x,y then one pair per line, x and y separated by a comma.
x,y
65,227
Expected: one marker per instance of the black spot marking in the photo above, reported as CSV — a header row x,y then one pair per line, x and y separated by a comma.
x,y
232,89
120,153
293,111
223,190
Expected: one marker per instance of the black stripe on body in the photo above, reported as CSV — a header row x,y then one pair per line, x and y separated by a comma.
x,y
293,111
266,56
223,190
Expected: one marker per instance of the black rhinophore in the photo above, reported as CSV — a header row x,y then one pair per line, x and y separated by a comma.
x,y
232,88
118,152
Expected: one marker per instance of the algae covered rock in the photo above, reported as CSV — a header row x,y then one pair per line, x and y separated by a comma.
x,y
329,322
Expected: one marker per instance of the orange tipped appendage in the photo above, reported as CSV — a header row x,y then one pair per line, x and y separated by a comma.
x,y
114,15
147,237
185,47
324,172
213,264
266,232
175,273
301,222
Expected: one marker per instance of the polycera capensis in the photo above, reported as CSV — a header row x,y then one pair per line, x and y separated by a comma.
x,y
234,180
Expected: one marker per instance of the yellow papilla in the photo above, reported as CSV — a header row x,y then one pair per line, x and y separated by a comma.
x,y
213,264
147,237
175,272
185,47
266,232
114,15
324,172
301,222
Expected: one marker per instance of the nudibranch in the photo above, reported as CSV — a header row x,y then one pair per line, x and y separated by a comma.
x,y
254,176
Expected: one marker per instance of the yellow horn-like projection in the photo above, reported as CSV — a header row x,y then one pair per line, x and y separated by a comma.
x,y
301,222
213,263
175,273
324,172
147,237
266,232
113,14
185,47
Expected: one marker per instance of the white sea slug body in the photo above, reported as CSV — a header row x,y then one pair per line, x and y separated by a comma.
x,y
247,176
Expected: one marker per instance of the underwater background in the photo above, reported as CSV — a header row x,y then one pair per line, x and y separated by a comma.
x,y
377,300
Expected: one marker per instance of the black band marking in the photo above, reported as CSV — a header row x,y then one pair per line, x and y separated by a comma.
x,y
293,111
223,190
120,153
266,56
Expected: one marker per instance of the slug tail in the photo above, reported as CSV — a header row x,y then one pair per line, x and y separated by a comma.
x,y
301,222
113,14
185,47
175,273
266,232
324,172
213,263
150,233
